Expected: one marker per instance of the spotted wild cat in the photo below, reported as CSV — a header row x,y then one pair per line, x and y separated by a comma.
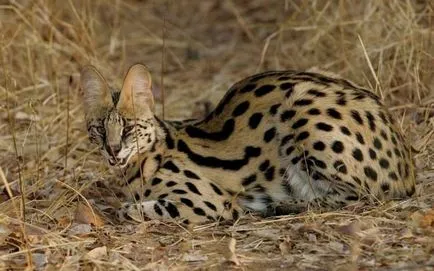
x,y
279,142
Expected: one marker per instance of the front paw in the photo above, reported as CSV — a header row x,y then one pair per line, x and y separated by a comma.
x,y
129,212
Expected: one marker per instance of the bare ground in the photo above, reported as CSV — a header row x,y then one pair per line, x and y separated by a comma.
x,y
50,175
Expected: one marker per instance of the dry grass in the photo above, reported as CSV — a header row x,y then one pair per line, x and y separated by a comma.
x,y
208,45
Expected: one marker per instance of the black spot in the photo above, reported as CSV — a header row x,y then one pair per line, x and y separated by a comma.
x,y
359,138
254,120
157,158
314,111
389,153
241,109
210,205
156,181
263,90
371,121
172,210
316,93
384,163
283,78
274,108
269,174
324,126
299,123
214,162
315,162
216,189
397,152
393,176
302,136
287,115
269,134
384,135
158,210
136,196
179,191
345,131
385,187
287,86
186,222
338,147
249,180
357,180
352,198
191,174
377,143
340,166
370,173
162,196
383,117
235,214
411,191
248,88
264,165
226,99
171,183
223,134
358,155
286,139
372,154
289,150
296,159
341,101
394,140
356,116
171,166
334,113
319,146
407,171
199,211
303,102
147,193
193,188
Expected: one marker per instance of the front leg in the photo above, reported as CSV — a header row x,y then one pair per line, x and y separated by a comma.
x,y
183,211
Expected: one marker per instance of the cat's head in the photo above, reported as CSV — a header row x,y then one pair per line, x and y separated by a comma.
x,y
121,123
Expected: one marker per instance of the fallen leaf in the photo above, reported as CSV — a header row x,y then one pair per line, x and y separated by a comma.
x,y
97,253
427,219
194,257
80,229
84,214
352,228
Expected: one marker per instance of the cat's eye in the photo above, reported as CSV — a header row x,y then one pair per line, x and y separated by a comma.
x,y
100,130
128,129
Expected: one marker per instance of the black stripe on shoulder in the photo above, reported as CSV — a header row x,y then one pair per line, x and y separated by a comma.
x,y
214,162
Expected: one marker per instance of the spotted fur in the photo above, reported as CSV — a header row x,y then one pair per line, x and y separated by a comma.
x,y
278,143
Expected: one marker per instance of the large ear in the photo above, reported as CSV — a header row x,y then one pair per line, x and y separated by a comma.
x,y
97,97
136,96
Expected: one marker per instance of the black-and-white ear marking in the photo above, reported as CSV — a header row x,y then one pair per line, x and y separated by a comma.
x,y
96,93
136,95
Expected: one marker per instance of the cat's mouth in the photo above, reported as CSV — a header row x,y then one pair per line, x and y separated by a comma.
x,y
121,162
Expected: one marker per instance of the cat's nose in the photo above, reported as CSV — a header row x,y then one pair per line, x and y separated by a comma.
x,y
115,149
